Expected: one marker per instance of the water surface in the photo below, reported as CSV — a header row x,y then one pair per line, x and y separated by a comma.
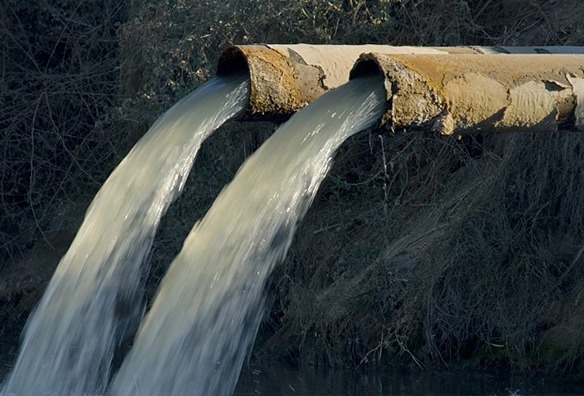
x,y
278,380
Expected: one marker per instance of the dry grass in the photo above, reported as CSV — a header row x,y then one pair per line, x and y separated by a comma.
x,y
418,250
481,256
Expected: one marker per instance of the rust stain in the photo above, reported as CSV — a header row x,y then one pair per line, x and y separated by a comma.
x,y
273,79
273,86
473,98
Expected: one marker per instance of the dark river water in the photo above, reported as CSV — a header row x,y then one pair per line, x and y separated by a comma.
x,y
279,380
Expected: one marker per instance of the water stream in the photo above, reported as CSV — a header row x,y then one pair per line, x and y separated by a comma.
x,y
205,316
95,296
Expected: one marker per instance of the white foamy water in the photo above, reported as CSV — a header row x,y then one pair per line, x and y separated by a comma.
x,y
95,292
205,316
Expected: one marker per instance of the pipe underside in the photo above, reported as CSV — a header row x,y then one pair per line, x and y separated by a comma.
x,y
470,89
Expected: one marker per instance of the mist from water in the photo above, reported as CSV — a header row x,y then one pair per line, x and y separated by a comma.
x,y
95,296
208,308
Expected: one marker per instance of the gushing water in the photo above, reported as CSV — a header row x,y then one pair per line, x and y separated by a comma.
x,y
95,293
208,308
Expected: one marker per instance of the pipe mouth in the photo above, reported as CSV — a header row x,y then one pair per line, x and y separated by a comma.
x,y
366,65
274,88
232,61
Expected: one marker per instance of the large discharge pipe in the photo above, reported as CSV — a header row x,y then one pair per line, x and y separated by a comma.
x,y
469,93
284,78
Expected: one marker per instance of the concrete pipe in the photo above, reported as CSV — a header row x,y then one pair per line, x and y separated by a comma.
x,y
469,93
284,78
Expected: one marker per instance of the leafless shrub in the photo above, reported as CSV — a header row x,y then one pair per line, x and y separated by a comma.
x,y
59,85
511,254
481,258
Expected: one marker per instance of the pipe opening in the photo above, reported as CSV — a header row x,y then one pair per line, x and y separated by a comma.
x,y
366,67
231,61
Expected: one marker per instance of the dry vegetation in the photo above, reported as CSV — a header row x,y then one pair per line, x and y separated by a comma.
x,y
460,251
58,92
419,249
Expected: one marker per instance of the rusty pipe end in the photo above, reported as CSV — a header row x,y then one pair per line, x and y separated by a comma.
x,y
232,60
274,86
368,65
411,101
466,93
